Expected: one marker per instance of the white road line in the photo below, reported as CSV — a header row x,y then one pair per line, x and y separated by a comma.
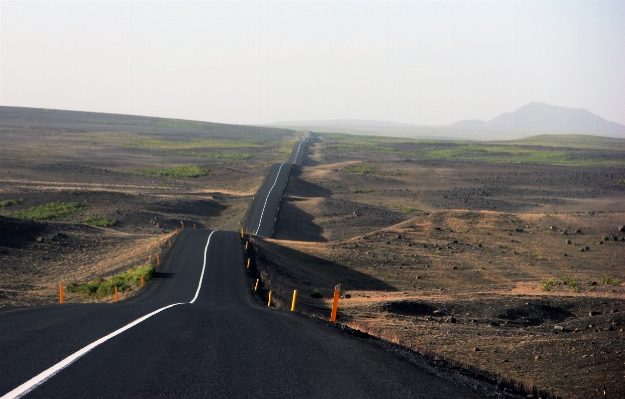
x,y
49,373
268,194
298,148
44,376
203,267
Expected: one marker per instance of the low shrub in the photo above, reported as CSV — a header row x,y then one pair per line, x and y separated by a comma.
x,y
100,287
316,294
609,280
547,285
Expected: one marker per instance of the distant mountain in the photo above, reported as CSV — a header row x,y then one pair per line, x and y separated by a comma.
x,y
537,117
343,123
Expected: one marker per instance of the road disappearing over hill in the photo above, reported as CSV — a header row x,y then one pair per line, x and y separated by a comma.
x,y
204,336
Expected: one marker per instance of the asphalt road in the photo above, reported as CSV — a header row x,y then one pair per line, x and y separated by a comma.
x,y
262,214
205,336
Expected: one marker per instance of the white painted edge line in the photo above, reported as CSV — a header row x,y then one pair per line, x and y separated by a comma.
x,y
203,268
45,375
266,199
49,373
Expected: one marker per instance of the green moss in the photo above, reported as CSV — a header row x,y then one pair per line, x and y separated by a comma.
x,y
361,169
49,211
98,221
178,171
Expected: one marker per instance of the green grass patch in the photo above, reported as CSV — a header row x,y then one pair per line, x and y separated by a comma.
x,y
572,283
547,285
215,155
100,288
49,211
360,169
609,280
363,190
178,171
98,221
147,142
9,202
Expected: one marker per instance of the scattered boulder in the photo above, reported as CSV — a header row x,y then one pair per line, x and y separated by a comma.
x,y
578,231
565,233
593,313
518,230
621,229
39,240
347,296
450,319
587,248
568,241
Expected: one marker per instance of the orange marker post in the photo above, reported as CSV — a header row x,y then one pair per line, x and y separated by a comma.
x,y
256,286
335,305
248,262
294,300
270,297
158,260
142,281
61,294
116,295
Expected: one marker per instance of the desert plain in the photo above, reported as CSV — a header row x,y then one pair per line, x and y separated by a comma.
x,y
501,258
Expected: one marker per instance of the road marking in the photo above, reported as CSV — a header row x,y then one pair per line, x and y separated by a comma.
x,y
266,199
44,376
203,267
298,148
52,371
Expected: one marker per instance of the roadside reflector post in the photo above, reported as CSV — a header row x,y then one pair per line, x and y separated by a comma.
x,y
169,242
241,233
270,297
61,294
294,300
335,305
193,225
116,295
182,223
248,262
246,243
246,229
176,231
158,260
142,281
256,286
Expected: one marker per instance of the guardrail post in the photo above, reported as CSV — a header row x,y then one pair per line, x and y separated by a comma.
x,y
270,297
61,294
335,305
294,300
256,286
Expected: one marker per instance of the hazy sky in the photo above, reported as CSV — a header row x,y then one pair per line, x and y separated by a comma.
x,y
258,62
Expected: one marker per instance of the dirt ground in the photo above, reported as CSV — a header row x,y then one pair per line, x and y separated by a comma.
x,y
96,160
498,268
